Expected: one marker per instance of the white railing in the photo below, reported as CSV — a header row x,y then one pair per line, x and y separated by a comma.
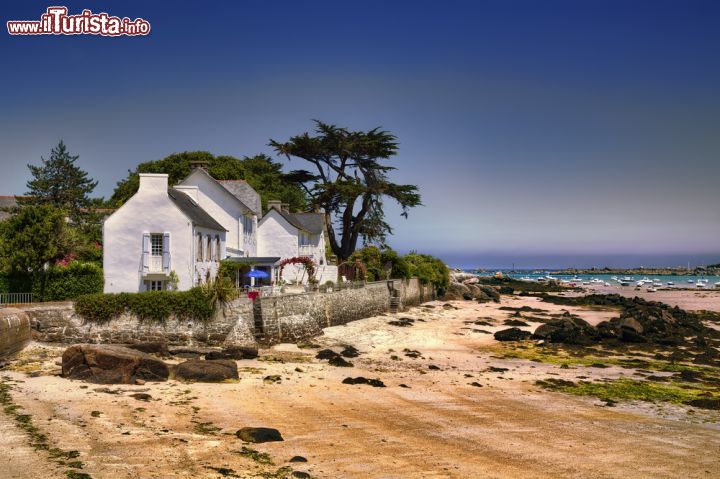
x,y
249,244
16,298
305,250
156,264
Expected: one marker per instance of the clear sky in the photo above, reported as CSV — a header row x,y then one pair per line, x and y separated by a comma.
x,y
553,133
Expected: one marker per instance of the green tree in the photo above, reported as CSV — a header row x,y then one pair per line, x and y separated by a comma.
x,y
381,263
263,174
59,182
349,182
428,268
33,237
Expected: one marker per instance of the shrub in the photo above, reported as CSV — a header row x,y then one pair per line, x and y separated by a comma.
x,y
380,262
151,306
68,282
428,269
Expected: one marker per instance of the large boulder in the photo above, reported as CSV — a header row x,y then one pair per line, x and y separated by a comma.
x,y
512,334
14,331
457,291
109,364
207,371
259,434
567,329
491,291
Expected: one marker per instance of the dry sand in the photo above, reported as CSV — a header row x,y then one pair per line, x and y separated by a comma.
x,y
438,427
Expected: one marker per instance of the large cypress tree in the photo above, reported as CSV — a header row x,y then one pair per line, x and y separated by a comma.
x,y
59,182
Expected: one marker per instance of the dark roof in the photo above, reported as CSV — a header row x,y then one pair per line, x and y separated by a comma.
x,y
242,190
254,260
311,222
192,210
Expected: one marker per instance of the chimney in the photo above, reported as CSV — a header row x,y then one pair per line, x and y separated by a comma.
x,y
286,207
277,204
153,183
194,165
191,191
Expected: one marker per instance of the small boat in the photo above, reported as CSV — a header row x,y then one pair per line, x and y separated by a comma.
x,y
651,290
717,285
657,284
691,281
608,284
670,283
624,283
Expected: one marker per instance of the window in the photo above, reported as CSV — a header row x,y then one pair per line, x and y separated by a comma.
x,y
217,248
208,250
156,244
154,285
199,248
247,224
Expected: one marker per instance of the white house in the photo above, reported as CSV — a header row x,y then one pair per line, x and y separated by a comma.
x,y
190,228
156,232
286,235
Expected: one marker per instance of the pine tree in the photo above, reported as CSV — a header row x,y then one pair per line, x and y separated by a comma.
x,y
60,183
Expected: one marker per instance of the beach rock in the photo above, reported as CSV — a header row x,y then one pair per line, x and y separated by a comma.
x,y
234,352
492,292
705,403
340,362
207,371
109,364
376,383
259,434
456,291
469,281
156,347
568,330
512,334
298,459
515,322
350,352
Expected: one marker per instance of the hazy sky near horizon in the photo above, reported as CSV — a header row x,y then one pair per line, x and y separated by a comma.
x,y
552,134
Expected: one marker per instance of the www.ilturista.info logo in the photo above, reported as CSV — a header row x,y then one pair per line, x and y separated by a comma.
x,y
56,21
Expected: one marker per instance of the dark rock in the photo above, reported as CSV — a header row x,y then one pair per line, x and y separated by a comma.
x,y
361,380
233,352
515,322
157,347
141,396
456,291
326,354
259,434
301,475
207,371
512,334
476,384
433,367
568,330
297,459
506,290
109,364
339,362
402,322
350,352
411,353
705,403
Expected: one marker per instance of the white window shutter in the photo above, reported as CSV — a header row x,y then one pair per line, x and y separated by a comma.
x,y
166,253
146,252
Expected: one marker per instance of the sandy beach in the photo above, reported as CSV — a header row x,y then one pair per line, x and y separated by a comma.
x,y
458,409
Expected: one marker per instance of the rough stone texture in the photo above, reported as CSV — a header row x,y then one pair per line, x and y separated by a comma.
x,y
295,317
259,434
14,331
232,326
207,371
110,364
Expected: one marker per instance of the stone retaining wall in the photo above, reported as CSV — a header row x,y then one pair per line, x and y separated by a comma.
x,y
272,319
295,317
14,331
58,322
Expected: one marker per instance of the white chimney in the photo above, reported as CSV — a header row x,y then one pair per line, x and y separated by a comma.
x,y
191,191
153,183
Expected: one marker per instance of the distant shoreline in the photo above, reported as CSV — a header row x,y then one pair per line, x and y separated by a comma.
x,y
709,271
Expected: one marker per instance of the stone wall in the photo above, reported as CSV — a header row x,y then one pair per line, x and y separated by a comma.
x,y
58,322
14,331
294,317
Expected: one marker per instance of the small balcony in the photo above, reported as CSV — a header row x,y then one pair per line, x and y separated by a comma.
x,y
306,250
155,264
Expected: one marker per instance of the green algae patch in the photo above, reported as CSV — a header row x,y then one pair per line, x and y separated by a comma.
x,y
635,390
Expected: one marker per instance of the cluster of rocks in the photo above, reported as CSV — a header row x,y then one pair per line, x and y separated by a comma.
x,y
113,364
469,287
640,321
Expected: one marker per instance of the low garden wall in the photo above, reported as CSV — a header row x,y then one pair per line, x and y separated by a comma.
x,y
271,320
14,331
58,322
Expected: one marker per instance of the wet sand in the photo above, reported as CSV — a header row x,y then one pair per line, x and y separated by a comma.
x,y
440,426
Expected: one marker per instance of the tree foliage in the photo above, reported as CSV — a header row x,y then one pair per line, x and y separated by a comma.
x,y
348,182
380,263
429,269
263,174
59,182
34,236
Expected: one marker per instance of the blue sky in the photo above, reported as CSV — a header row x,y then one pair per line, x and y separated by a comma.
x,y
542,133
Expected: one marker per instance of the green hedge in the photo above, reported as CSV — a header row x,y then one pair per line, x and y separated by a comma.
x,y
152,306
58,283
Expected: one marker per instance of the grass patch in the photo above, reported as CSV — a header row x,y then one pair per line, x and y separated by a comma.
x,y
206,428
629,389
257,456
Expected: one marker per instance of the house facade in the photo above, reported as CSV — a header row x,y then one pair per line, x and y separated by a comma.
x,y
184,232
158,234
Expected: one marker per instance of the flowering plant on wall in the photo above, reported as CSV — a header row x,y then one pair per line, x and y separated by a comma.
x,y
303,260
